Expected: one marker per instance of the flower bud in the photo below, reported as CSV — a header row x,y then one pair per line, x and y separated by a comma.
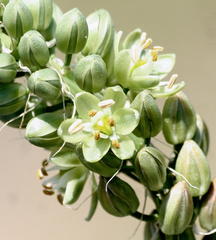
x,y
72,32
45,83
151,168
33,50
120,199
91,73
33,102
150,116
12,98
193,165
106,167
2,6
179,119
101,34
201,136
176,210
207,217
8,68
41,11
42,130
17,18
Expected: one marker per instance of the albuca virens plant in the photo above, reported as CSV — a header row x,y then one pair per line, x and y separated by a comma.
x,y
97,113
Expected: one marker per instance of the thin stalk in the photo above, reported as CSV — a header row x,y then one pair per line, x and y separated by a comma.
x,y
68,59
144,217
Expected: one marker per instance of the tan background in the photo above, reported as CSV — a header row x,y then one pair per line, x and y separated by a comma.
x,y
186,27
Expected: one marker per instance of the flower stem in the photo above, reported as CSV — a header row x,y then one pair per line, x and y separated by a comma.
x,y
68,59
144,217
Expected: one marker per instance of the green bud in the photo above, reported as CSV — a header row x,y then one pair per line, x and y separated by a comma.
x,y
42,130
152,232
106,167
33,102
45,83
101,34
12,98
91,73
72,32
120,199
8,43
17,18
8,68
151,168
72,183
41,11
132,38
186,235
150,116
33,50
201,136
193,165
179,119
207,217
176,210
3,3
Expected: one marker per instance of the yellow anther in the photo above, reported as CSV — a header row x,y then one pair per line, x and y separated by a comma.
x,y
76,127
97,136
172,80
116,144
47,186
158,48
48,192
147,43
92,113
106,103
111,122
40,176
154,54
45,163
60,199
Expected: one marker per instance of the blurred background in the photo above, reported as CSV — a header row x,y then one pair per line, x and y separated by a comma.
x,y
187,28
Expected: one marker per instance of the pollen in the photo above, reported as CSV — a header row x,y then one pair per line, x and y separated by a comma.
x,y
116,144
92,113
154,54
111,122
97,136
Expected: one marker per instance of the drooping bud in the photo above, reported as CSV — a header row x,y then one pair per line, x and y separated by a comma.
x,y
34,103
41,11
45,83
12,98
42,130
207,216
91,73
72,32
150,116
179,119
193,165
33,50
151,168
201,136
17,18
101,34
120,199
8,68
176,210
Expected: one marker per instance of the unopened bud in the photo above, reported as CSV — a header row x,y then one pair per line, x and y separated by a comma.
x,y
8,68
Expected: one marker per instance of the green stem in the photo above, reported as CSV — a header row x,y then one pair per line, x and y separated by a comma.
x,y
130,174
144,217
68,59
147,141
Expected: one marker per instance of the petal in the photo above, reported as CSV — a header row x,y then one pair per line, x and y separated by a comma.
x,y
143,82
85,103
126,149
126,120
164,65
73,138
117,94
94,150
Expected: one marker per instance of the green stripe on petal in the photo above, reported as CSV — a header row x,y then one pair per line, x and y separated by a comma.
x,y
75,137
95,150
85,103
126,120
126,148
117,94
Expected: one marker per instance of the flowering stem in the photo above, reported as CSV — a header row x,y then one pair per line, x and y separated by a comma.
x,y
68,59
144,217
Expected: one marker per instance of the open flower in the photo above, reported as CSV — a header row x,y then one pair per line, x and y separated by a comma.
x,y
102,125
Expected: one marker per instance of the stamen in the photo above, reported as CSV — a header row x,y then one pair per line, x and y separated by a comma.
x,y
48,186
92,113
172,80
45,163
154,54
147,43
97,136
111,122
158,48
76,126
48,192
106,103
41,173
116,144
60,199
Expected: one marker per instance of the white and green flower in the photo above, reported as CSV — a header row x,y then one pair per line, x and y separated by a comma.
x,y
102,124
